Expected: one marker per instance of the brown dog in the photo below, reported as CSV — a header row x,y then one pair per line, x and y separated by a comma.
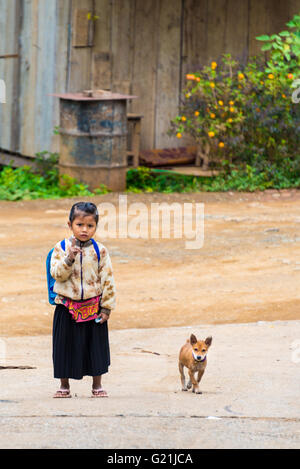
x,y
193,355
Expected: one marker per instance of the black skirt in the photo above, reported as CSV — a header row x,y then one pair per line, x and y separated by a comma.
x,y
79,348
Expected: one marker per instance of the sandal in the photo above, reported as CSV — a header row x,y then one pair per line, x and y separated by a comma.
x,y
99,393
62,393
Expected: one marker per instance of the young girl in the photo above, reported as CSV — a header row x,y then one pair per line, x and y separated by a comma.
x,y
85,291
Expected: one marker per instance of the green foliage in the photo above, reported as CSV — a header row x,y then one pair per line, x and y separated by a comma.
x,y
44,182
260,176
144,179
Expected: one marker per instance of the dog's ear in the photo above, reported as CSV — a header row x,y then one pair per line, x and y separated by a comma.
x,y
208,341
193,339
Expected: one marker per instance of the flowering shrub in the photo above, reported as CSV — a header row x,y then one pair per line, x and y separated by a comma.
x,y
244,112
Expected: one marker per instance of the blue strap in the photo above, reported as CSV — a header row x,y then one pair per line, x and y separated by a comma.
x,y
96,247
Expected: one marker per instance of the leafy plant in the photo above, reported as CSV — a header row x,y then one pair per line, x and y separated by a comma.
x,y
238,113
44,181
260,176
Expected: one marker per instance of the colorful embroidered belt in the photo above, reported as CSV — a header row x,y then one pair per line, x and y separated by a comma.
x,y
83,310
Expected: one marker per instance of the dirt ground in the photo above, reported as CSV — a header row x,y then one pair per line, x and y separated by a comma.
x,y
247,270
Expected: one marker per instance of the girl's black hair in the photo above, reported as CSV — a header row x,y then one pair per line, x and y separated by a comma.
x,y
88,208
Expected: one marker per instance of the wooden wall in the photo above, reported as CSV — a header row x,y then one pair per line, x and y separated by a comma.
x,y
141,47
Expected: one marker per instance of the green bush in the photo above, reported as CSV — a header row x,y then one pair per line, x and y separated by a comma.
x,y
262,175
43,182
238,113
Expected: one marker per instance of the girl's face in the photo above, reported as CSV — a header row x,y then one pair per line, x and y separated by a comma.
x,y
83,226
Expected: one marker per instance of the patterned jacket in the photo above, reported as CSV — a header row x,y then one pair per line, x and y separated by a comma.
x,y
83,277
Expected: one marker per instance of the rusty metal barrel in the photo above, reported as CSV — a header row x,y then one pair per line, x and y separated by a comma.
x,y
93,138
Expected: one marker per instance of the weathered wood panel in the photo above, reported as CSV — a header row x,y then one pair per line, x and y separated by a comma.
x,y
80,57
144,80
62,48
236,29
101,58
122,45
167,71
194,36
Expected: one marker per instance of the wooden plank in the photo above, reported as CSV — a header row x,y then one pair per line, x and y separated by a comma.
x,y
80,57
193,171
122,45
194,36
15,160
63,45
144,68
259,23
194,46
168,71
121,40
81,27
101,70
236,29
216,29
168,156
101,59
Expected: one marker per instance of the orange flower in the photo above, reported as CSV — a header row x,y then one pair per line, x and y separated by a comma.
x,y
183,118
221,144
198,79
271,76
212,85
290,76
214,65
229,120
212,115
283,95
231,103
231,109
190,76
241,76
220,103
211,134
197,113
178,135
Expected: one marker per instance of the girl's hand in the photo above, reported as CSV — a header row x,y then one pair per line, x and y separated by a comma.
x,y
73,250
104,317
